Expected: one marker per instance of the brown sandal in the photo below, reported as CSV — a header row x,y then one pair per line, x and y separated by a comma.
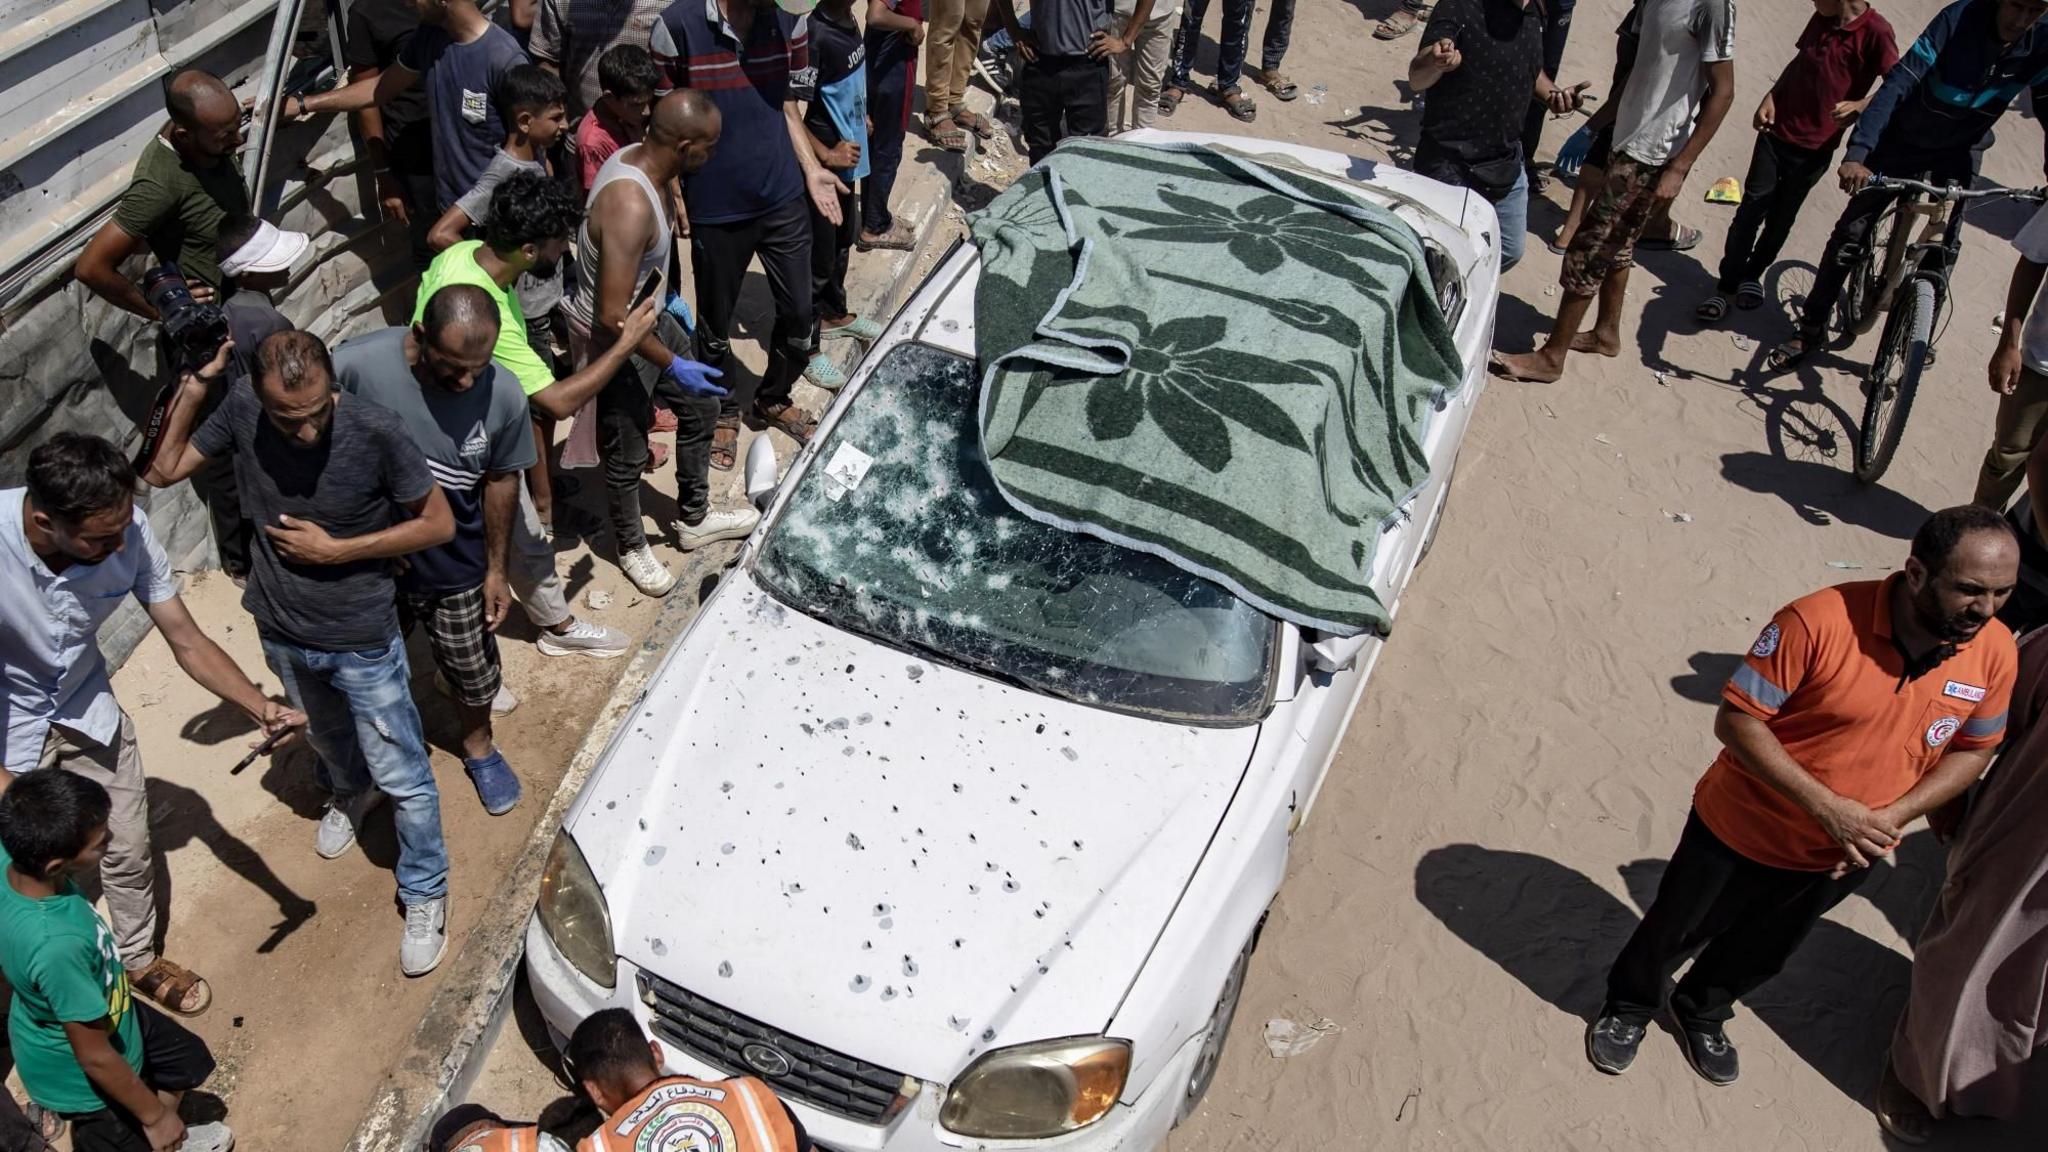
x,y
1400,23
974,122
789,419
725,446
169,984
1238,104
948,135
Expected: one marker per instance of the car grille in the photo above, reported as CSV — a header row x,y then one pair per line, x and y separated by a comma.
x,y
818,1076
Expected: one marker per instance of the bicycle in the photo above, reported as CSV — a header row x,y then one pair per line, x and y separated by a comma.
x,y
1910,283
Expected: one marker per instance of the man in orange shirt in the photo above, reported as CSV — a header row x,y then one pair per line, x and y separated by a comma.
x,y
620,1070
1859,709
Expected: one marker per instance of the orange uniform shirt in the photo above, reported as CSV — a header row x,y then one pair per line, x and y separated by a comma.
x,y
678,1114
1828,681
508,1139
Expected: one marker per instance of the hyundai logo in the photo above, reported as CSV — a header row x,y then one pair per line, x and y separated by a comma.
x,y
765,1060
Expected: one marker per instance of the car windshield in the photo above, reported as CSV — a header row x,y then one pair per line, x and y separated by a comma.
x,y
922,552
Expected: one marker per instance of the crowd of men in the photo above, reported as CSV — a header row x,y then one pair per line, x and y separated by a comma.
x,y
403,479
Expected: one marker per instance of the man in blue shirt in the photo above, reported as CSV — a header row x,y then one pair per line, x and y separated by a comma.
x,y
1934,109
73,548
754,196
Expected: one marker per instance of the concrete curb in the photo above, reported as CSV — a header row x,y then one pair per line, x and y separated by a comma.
x,y
441,1062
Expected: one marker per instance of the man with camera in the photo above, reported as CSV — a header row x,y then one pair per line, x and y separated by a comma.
x,y
185,185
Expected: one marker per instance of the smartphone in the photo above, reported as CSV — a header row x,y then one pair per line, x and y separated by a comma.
x,y
647,290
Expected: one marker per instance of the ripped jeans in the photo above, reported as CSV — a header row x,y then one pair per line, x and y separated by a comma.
x,y
361,721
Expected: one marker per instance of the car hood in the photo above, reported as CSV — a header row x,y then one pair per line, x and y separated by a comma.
x,y
891,857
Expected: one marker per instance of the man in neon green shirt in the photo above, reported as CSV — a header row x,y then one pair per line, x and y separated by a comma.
x,y
495,269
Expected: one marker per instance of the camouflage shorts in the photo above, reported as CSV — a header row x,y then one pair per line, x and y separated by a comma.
x,y
1606,239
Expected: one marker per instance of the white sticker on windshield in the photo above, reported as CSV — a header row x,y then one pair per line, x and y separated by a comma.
x,y
844,472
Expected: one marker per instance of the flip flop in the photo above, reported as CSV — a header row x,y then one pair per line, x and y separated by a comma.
x,y
1749,295
1712,309
725,445
1277,83
1397,25
1684,240
1243,107
1785,357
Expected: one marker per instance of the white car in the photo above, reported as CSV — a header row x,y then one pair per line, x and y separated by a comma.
x,y
956,828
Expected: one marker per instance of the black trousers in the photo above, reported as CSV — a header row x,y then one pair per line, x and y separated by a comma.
x,y
721,252
173,1060
892,75
1279,30
1062,96
1780,176
625,413
831,247
1557,29
1749,917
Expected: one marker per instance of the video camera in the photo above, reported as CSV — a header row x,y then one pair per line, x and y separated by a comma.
x,y
193,332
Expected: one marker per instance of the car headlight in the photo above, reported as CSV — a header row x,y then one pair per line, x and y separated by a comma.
x,y
1038,1090
573,913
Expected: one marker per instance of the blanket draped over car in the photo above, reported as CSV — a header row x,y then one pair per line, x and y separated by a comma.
x,y
1223,363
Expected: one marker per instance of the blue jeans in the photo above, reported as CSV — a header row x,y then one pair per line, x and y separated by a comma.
x,y
1513,210
361,721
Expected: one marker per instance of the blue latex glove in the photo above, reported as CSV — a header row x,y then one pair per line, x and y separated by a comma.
x,y
680,309
694,378
1572,156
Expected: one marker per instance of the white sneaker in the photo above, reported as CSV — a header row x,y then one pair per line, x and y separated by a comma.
x,y
502,703
584,638
209,1137
648,574
426,937
721,524
338,826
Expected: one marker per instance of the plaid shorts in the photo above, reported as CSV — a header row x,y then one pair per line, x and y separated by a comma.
x,y
464,649
1606,239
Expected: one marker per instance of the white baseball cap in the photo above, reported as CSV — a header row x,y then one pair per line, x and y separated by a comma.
x,y
271,249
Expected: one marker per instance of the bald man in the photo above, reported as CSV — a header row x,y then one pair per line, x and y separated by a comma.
x,y
186,184
624,240
467,416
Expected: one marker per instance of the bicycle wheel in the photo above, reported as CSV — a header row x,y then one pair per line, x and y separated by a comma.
x,y
1858,303
1893,378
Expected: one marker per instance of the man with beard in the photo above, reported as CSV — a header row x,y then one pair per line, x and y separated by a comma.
x,y
1859,709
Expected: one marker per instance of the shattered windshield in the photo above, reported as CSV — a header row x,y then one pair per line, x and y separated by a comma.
x,y
897,531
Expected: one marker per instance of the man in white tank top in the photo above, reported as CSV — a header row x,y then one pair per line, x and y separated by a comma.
x,y
624,243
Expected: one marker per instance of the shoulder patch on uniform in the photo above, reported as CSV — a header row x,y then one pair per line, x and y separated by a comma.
x,y
1939,731
1961,691
1766,642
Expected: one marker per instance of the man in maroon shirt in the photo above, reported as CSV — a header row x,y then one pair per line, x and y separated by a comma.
x,y
1844,51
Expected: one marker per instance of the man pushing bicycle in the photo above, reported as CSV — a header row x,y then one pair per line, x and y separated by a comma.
x,y
1934,109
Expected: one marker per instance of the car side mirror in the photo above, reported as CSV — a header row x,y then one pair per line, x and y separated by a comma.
x,y
761,473
1335,653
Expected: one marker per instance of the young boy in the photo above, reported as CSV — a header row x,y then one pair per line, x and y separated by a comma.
x,y
85,1049
535,106
629,78
895,31
1845,49
837,121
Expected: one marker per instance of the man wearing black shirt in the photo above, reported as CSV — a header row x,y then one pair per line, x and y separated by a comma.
x,y
1064,87
1479,61
396,137
836,121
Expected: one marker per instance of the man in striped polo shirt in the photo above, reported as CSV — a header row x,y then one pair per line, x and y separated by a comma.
x,y
750,57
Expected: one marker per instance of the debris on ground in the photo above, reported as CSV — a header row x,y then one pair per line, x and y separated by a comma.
x,y
598,599
1285,1038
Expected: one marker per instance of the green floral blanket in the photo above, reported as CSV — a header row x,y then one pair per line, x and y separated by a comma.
x,y
1218,362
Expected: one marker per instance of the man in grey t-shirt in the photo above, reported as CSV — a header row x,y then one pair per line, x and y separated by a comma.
x,y
1064,88
321,477
467,415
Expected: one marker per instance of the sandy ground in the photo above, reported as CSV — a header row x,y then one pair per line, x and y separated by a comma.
x,y
1522,765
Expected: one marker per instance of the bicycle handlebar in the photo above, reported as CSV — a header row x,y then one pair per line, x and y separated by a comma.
x,y
1949,192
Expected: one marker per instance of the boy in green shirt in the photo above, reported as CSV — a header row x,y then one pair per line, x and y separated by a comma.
x,y
85,1049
